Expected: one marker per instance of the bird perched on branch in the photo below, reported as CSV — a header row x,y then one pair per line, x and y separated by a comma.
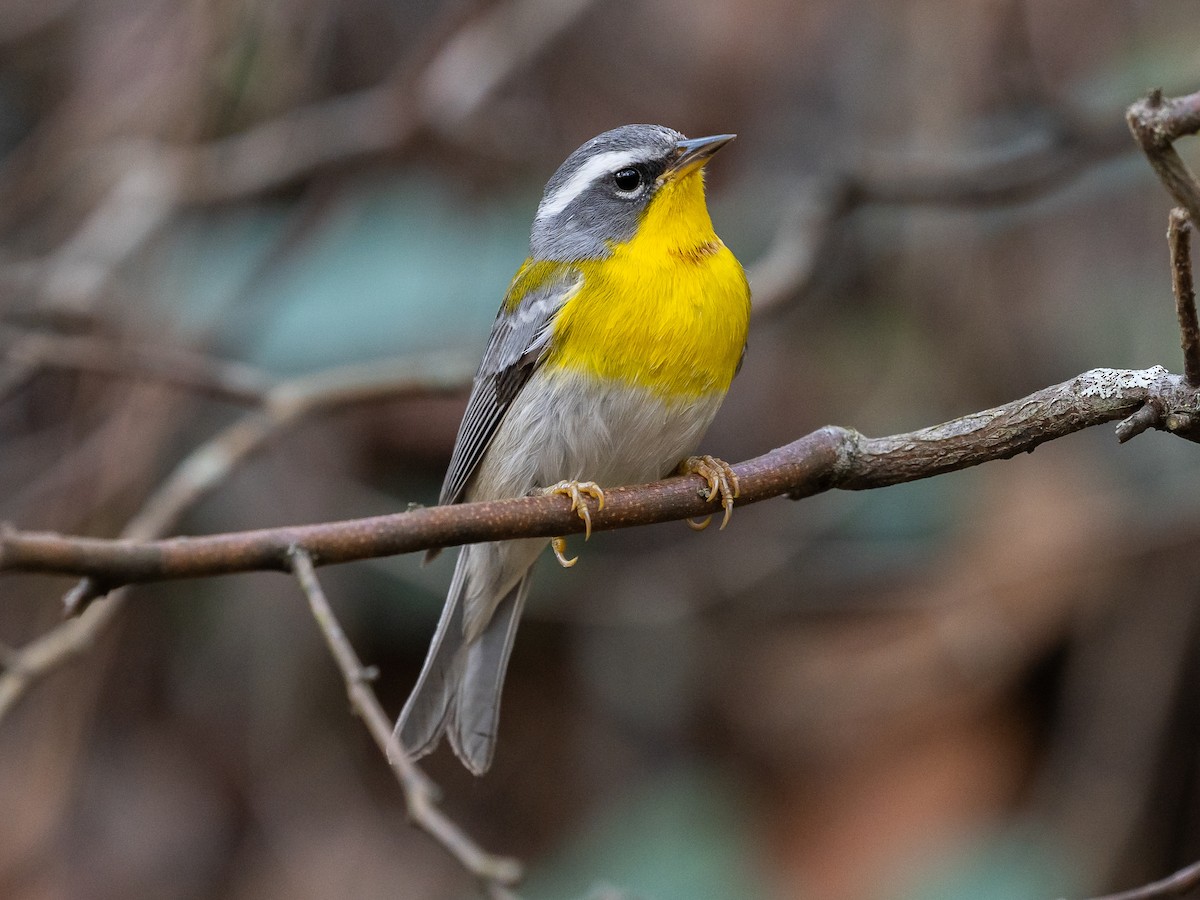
x,y
612,351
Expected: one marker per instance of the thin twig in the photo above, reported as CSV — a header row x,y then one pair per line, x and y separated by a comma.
x,y
831,457
1151,415
1175,885
1156,122
1179,236
204,470
418,791
32,662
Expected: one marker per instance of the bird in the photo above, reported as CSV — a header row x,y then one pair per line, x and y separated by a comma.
x,y
611,353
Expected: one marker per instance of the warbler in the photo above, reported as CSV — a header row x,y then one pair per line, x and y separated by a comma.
x,y
614,347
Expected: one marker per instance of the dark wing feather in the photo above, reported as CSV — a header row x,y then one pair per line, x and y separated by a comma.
x,y
515,348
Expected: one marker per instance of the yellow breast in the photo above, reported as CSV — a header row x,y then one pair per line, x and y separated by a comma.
x,y
667,311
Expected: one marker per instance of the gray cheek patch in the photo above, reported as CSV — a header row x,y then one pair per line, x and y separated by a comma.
x,y
587,227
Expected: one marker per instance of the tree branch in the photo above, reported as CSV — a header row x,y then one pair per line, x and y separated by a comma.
x,y
1175,885
831,457
27,351
1157,122
200,473
494,872
1179,237
152,181
1022,171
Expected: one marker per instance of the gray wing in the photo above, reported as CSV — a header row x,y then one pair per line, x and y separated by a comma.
x,y
515,348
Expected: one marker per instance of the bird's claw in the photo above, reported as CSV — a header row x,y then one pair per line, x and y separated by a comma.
x,y
722,480
559,546
577,491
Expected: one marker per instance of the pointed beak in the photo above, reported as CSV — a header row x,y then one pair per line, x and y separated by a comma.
x,y
693,154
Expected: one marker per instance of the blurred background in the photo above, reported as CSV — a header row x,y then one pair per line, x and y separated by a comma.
x,y
979,686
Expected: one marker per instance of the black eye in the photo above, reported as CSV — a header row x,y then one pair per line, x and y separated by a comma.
x,y
627,179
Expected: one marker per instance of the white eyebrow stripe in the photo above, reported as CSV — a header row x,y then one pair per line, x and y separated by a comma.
x,y
600,164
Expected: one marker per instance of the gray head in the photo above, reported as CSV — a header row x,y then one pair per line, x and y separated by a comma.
x,y
598,194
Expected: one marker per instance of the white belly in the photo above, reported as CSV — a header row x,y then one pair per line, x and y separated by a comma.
x,y
564,427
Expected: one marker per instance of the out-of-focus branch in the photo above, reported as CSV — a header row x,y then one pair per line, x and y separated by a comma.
x,y
494,872
27,351
206,468
145,193
477,61
832,457
470,67
151,181
1175,885
1025,170
1022,171
787,267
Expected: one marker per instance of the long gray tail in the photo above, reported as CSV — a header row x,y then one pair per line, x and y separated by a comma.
x,y
458,692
